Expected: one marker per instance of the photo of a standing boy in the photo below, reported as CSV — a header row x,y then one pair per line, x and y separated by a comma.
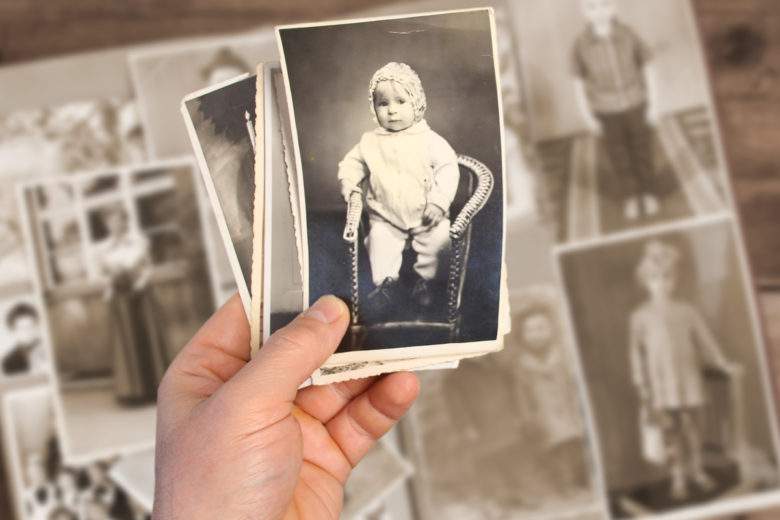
x,y
615,89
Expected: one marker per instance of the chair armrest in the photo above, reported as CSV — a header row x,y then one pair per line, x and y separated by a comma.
x,y
477,200
354,211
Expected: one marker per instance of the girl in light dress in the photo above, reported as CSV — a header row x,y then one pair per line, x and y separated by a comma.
x,y
140,352
670,347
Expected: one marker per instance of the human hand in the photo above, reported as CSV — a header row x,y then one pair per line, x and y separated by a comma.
x,y
347,191
432,215
236,439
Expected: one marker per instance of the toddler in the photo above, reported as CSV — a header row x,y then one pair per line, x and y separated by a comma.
x,y
411,175
548,394
615,91
670,346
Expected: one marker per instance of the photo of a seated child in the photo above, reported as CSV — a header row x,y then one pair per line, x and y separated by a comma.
x,y
403,193
410,175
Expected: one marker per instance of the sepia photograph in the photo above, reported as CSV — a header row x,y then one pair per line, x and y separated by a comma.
x,y
43,485
221,125
162,75
67,138
22,352
675,368
123,282
621,112
400,168
515,418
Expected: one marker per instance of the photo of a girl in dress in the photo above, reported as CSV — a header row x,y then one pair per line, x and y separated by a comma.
x,y
671,346
139,351
674,367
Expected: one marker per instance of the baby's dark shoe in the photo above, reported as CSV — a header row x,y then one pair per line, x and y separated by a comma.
x,y
380,301
422,293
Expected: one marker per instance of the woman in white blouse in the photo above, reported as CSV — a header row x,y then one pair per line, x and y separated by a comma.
x,y
140,354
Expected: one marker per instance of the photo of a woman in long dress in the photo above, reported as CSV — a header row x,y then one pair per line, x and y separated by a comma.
x,y
139,351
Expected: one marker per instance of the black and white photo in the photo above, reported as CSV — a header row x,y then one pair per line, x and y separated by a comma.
x,y
621,112
67,138
162,75
675,368
22,352
123,282
221,124
399,151
43,485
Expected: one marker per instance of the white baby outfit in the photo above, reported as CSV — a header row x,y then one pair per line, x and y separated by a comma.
x,y
404,171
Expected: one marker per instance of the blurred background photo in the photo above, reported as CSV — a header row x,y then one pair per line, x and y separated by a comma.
x,y
124,281
601,180
40,483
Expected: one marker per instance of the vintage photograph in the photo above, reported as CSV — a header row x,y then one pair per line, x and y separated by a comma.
x,y
675,367
22,352
162,75
123,282
282,279
381,472
43,485
620,109
515,418
72,137
220,121
400,168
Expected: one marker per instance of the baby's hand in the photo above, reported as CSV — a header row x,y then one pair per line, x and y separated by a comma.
x,y
346,191
432,215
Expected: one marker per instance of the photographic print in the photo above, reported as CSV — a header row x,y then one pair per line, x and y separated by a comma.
x,y
43,485
675,368
621,112
221,124
395,220
282,281
74,136
22,352
164,74
123,282
515,419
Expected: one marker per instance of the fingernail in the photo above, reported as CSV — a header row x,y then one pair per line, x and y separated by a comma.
x,y
327,309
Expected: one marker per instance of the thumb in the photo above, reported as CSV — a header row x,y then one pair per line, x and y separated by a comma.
x,y
292,354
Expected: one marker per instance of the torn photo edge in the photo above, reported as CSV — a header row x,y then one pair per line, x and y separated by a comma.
x,y
211,190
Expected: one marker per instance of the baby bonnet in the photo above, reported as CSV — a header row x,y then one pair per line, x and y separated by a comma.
x,y
407,78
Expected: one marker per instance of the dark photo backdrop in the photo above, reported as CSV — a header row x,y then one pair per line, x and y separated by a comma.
x,y
329,71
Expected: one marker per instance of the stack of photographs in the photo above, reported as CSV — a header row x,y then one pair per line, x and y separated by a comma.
x,y
405,229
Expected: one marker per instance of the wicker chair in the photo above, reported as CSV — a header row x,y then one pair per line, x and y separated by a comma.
x,y
478,182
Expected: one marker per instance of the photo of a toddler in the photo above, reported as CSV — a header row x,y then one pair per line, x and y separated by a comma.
x,y
411,175
403,204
